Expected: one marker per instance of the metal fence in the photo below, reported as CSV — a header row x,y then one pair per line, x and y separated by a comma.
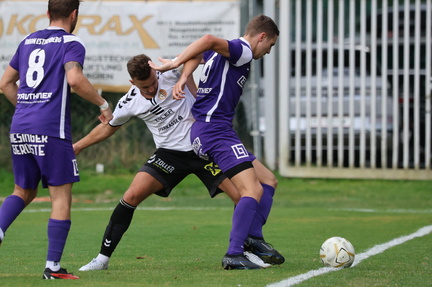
x,y
355,89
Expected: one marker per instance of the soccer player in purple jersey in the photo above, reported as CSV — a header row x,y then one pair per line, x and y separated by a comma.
x,y
47,63
224,74
170,121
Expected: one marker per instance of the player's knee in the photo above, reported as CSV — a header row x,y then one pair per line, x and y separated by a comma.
x,y
271,181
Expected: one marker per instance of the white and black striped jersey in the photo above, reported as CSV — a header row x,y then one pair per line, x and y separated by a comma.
x,y
168,120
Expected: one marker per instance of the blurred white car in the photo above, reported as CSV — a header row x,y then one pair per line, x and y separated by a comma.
x,y
338,103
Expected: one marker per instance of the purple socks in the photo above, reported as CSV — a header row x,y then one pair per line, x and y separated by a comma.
x,y
10,209
243,216
263,211
58,231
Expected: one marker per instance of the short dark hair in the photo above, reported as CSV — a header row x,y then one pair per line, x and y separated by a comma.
x,y
138,67
262,23
59,9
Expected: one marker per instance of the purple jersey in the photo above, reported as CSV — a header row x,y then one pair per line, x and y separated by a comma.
x,y
43,99
221,83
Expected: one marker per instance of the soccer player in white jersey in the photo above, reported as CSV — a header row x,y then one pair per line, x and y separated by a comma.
x,y
47,63
224,74
170,121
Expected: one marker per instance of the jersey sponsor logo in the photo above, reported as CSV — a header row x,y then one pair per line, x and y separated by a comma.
x,y
240,151
241,82
21,138
167,168
41,41
213,168
75,167
204,90
28,144
158,110
167,127
27,148
162,94
34,97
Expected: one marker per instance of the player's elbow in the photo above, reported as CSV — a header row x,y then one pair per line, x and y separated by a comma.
x,y
73,81
209,40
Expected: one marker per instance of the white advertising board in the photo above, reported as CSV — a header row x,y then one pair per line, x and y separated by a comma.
x,y
114,31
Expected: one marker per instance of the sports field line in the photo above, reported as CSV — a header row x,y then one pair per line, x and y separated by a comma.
x,y
413,211
368,210
377,249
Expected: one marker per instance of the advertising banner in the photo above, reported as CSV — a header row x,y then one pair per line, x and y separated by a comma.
x,y
114,31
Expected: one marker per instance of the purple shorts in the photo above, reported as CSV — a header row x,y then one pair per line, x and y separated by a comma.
x,y
219,143
37,157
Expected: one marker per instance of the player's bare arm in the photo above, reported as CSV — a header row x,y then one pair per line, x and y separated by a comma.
x,y
206,43
98,134
8,84
186,78
82,86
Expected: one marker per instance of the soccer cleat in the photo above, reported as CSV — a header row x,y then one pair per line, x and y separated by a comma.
x,y
94,265
61,274
255,259
263,250
230,262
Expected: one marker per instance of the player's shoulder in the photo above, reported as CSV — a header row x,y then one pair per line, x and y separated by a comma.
x,y
67,38
173,74
240,52
128,98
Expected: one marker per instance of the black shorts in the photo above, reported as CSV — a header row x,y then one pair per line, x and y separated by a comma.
x,y
171,167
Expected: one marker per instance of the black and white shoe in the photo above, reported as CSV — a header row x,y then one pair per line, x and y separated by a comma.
x,y
230,262
263,250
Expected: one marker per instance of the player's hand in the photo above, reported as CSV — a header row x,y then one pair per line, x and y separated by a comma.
x,y
165,66
76,149
178,92
105,116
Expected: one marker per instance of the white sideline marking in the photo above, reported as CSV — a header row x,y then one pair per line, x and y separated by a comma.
x,y
413,211
377,249
367,210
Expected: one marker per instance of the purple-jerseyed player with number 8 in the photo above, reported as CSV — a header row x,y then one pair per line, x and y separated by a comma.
x,y
225,71
47,63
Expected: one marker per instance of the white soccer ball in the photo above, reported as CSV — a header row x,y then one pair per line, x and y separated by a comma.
x,y
337,252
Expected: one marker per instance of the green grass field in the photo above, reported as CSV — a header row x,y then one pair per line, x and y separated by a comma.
x,y
180,241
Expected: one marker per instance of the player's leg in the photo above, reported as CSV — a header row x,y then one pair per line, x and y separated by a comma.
x,y
13,205
143,185
269,182
229,189
244,213
26,176
255,241
233,159
58,230
152,178
59,171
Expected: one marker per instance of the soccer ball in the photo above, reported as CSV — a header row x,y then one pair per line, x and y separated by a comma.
x,y
337,252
